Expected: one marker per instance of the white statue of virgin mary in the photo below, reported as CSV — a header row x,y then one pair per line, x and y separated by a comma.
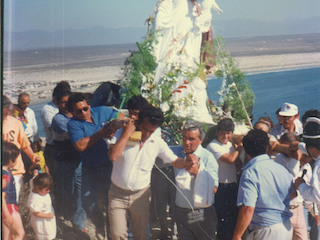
x,y
179,25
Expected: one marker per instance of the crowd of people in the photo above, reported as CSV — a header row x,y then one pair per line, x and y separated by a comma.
x,y
116,170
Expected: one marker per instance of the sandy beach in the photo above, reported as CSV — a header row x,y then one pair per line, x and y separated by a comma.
x,y
41,83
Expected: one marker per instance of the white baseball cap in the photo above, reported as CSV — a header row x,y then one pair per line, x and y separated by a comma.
x,y
288,110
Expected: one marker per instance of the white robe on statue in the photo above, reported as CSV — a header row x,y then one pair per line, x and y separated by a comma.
x,y
179,30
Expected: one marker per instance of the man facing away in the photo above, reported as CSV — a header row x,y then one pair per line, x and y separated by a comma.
x,y
194,212
131,175
26,116
87,130
264,193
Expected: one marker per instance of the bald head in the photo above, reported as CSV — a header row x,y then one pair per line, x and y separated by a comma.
x,y
23,100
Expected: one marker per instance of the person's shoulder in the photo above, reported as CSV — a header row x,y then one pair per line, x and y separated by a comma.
x,y
13,120
49,108
74,122
213,143
101,109
29,110
207,154
59,117
5,172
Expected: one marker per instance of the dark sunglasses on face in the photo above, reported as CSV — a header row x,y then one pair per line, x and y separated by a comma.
x,y
83,109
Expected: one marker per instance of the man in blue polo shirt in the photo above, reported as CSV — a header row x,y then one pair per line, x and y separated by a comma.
x,y
87,130
264,193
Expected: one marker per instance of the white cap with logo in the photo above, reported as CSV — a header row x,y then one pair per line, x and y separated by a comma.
x,y
288,110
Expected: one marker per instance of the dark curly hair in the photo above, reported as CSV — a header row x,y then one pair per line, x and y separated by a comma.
x,y
43,180
137,103
9,152
256,142
154,114
225,124
74,99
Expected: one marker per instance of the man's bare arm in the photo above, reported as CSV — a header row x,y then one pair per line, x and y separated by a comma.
x,y
87,142
116,150
244,219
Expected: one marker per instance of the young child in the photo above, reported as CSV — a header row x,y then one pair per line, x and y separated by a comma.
x,y
36,147
11,221
42,219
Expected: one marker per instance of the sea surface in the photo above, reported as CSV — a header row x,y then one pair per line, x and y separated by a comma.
x,y
271,89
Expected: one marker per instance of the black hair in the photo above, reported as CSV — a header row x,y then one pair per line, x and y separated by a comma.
x,y
312,142
225,124
310,113
63,93
9,152
43,180
74,99
60,87
154,114
137,103
37,144
256,142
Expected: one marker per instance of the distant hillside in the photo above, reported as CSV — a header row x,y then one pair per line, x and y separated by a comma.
x,y
101,36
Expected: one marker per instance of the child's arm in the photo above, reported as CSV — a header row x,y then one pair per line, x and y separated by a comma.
x,y
46,169
43,215
8,219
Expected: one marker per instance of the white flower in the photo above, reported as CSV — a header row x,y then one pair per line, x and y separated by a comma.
x,y
164,107
232,85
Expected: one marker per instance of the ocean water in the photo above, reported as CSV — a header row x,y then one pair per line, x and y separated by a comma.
x,y
271,89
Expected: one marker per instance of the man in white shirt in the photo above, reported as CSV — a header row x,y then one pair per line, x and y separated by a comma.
x,y
26,116
226,197
311,136
131,175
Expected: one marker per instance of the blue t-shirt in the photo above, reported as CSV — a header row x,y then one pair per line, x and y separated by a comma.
x,y
97,155
266,186
10,190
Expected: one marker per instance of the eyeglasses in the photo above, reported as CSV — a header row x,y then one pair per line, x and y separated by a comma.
x,y
80,110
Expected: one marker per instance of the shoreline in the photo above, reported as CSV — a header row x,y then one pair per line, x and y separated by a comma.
x,y
39,84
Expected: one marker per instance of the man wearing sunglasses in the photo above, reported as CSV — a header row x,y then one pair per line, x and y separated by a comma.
x,y
87,130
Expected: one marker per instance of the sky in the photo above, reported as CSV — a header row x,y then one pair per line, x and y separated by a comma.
x,y
52,15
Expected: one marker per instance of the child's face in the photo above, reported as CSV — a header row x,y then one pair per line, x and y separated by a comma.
x,y
43,191
36,148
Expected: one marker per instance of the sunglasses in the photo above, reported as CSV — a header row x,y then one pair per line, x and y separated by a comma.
x,y
80,110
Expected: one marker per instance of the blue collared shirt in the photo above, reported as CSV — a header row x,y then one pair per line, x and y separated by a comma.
x,y
97,155
266,186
